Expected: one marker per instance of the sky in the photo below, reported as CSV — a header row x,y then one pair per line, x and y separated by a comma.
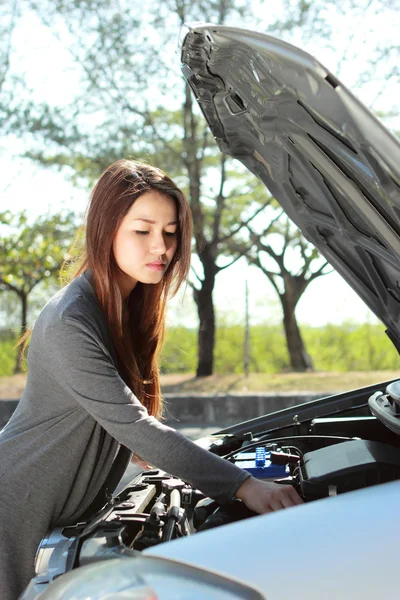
x,y
26,186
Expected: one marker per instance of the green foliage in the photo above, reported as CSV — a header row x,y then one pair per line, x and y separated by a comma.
x,y
350,347
179,354
8,352
30,254
343,348
33,252
10,309
132,100
268,353
346,347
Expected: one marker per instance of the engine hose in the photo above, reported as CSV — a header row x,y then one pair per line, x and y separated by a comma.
x,y
172,515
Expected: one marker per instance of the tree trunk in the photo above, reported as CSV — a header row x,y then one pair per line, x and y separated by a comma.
x,y
24,317
206,337
205,308
299,359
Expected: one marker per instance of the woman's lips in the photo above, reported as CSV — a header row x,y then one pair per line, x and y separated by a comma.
x,y
156,266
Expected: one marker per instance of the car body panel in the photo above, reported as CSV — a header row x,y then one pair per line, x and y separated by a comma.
x,y
343,547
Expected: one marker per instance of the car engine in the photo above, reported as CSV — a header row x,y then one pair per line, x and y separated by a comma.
x,y
320,457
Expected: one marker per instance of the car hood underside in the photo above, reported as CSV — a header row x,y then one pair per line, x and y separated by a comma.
x,y
328,161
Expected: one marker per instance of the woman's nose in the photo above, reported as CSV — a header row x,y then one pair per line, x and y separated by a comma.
x,y
158,245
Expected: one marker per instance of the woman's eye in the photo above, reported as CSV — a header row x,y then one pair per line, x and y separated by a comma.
x,y
141,232
170,233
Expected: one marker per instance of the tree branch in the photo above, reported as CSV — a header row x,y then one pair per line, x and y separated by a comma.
x,y
6,57
10,286
120,97
256,238
241,253
220,200
241,225
204,144
268,249
319,273
191,285
255,260
195,274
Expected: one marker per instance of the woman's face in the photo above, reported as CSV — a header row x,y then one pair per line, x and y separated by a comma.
x,y
146,240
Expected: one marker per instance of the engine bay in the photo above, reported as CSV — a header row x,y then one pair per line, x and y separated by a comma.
x,y
321,457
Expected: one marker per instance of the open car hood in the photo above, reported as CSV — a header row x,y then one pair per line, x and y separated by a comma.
x,y
329,162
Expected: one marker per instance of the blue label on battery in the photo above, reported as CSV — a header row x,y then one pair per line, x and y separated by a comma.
x,y
260,457
258,464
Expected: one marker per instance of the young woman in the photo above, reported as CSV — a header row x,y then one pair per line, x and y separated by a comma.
x,y
92,394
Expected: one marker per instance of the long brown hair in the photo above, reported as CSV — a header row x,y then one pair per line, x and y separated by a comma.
x,y
138,342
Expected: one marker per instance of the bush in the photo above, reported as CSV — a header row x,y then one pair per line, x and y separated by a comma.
x,y
349,347
179,353
8,352
346,347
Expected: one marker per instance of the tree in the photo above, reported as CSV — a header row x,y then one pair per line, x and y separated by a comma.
x,y
32,253
286,245
362,57
115,60
232,213
14,89
132,101
8,16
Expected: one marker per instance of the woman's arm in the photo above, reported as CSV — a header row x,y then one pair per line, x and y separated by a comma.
x,y
86,374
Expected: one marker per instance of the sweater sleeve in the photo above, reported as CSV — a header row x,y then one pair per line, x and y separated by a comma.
x,y
87,374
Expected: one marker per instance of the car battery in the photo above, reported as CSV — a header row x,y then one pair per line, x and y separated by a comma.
x,y
258,463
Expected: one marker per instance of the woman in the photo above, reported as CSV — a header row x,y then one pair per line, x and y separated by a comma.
x,y
92,394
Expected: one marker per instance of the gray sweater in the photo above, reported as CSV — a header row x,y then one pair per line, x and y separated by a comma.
x,y
72,434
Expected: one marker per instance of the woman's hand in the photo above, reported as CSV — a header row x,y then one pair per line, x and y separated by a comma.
x,y
265,496
139,462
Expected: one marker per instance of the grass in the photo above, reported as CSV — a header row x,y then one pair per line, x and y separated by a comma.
x,y
12,386
279,382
